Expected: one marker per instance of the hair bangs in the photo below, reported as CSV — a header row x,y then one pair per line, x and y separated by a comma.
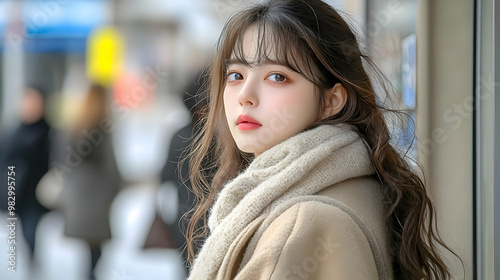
x,y
277,42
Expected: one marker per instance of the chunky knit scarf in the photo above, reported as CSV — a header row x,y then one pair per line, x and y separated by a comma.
x,y
299,166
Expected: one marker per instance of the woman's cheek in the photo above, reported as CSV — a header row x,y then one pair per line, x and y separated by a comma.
x,y
229,99
281,113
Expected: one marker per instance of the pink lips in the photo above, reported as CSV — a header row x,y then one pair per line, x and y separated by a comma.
x,y
245,122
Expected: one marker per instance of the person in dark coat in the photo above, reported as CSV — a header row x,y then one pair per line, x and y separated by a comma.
x,y
26,149
91,186
194,101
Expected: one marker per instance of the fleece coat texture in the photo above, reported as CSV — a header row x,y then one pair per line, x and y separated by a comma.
x,y
308,208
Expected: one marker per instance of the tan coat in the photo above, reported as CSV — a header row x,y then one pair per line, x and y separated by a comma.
x,y
344,237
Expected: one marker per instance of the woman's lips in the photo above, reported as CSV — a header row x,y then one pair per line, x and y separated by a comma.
x,y
248,126
245,122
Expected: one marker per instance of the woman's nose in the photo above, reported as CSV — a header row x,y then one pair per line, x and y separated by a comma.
x,y
248,93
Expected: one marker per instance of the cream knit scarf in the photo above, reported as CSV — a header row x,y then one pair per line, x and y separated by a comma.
x,y
299,166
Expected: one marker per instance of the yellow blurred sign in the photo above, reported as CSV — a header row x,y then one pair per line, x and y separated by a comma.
x,y
104,56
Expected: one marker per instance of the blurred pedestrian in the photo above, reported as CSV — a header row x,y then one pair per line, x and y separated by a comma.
x,y
89,189
176,169
27,150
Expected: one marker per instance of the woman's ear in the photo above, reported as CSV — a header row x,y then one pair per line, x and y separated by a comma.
x,y
335,99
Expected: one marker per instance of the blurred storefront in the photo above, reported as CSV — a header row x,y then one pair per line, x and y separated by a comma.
x,y
448,85
428,53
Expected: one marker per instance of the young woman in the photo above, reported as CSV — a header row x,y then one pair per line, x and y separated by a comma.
x,y
307,185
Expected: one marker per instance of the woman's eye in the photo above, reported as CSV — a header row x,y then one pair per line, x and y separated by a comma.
x,y
234,77
277,77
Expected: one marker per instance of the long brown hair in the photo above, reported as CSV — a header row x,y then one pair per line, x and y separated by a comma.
x,y
311,38
94,109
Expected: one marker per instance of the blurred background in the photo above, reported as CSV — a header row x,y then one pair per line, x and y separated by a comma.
x,y
94,99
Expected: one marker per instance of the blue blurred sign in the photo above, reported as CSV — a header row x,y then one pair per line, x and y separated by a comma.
x,y
64,18
409,71
3,15
60,25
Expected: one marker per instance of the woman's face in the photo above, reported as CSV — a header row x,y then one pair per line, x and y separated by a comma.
x,y
266,103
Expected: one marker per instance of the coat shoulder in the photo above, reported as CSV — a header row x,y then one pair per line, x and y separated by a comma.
x,y
319,239
315,240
